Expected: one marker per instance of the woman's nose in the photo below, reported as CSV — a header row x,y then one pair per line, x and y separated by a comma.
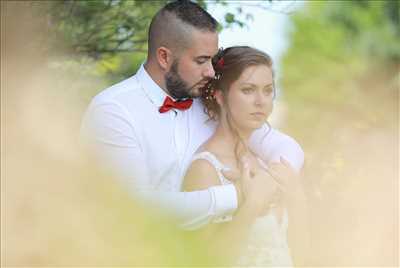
x,y
260,98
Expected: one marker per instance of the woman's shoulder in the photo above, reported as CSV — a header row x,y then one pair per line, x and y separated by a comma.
x,y
202,172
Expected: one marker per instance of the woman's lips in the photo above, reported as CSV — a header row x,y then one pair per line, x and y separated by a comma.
x,y
258,114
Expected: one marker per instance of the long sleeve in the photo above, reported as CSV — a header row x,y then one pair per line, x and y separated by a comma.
x,y
109,130
270,144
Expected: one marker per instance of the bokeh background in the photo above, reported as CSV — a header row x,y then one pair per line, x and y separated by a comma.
x,y
338,78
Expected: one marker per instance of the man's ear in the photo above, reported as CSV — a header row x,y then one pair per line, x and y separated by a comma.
x,y
164,57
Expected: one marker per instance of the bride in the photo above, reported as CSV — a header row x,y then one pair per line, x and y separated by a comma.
x,y
240,99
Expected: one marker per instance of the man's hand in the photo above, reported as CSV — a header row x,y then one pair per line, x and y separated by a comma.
x,y
286,178
255,187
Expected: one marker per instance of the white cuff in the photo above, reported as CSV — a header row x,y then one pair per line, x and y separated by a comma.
x,y
225,200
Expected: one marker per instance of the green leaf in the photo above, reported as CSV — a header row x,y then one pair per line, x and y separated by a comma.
x,y
229,17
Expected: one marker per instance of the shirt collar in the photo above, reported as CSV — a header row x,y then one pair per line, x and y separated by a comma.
x,y
153,91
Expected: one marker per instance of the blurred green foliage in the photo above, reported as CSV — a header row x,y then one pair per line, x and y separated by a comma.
x,y
343,56
340,80
100,27
112,33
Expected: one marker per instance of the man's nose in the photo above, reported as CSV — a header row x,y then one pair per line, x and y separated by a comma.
x,y
209,71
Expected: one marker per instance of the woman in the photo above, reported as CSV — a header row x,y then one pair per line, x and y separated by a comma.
x,y
240,99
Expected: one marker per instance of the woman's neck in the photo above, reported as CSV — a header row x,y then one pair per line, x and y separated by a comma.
x,y
225,130
226,139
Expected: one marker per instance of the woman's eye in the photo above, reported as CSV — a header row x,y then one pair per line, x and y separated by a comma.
x,y
247,90
268,91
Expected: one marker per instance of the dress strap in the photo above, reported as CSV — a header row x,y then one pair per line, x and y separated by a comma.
x,y
213,160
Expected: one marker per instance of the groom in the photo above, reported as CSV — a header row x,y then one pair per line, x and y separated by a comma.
x,y
147,127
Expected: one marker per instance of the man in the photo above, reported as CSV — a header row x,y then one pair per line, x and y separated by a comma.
x,y
147,127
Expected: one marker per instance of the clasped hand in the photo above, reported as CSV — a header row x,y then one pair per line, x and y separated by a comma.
x,y
261,188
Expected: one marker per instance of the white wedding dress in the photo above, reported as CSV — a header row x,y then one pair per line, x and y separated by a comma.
x,y
267,244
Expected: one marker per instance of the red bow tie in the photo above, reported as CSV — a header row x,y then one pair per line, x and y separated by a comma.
x,y
170,104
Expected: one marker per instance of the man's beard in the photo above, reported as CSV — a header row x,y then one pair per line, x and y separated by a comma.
x,y
176,86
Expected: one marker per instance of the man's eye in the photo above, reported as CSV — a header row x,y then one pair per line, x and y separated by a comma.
x,y
201,61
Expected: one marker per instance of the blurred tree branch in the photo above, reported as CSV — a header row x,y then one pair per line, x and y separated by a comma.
x,y
107,27
108,31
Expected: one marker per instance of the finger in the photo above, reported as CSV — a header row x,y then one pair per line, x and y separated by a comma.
x,y
275,163
289,169
231,174
280,183
278,169
270,176
244,158
276,166
283,166
246,171
286,163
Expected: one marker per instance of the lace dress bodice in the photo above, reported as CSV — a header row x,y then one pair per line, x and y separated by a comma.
x,y
267,242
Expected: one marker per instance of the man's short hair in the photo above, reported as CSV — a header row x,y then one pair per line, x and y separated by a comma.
x,y
172,26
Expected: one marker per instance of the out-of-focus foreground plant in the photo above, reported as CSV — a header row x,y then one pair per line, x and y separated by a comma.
x,y
341,83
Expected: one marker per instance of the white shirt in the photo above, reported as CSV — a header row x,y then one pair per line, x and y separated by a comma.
x,y
150,151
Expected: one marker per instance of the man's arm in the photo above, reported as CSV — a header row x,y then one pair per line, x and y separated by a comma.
x,y
270,145
112,137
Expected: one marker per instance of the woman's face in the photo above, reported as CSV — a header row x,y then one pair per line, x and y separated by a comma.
x,y
250,98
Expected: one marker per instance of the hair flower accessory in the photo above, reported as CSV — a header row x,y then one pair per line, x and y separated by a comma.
x,y
220,63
